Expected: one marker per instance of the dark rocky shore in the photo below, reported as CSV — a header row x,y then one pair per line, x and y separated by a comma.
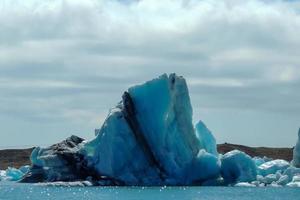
x,y
14,157
19,157
274,153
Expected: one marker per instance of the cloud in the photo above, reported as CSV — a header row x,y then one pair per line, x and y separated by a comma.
x,y
65,62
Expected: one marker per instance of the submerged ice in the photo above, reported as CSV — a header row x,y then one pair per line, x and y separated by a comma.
x,y
148,139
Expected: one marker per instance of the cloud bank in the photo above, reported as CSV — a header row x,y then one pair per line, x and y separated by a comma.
x,y
64,63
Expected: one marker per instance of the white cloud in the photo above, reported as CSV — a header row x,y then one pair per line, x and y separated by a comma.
x,y
75,58
216,82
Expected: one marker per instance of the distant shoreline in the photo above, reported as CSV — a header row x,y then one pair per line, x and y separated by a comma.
x,y
19,157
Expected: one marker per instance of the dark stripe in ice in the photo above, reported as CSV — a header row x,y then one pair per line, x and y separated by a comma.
x,y
129,114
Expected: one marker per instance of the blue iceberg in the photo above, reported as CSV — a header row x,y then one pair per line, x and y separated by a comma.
x,y
148,139
271,167
237,167
59,162
13,174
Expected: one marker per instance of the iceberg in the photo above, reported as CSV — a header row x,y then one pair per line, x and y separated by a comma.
x,y
295,181
296,152
148,139
236,166
2,174
244,184
67,184
270,178
13,174
291,172
205,169
283,180
271,167
59,162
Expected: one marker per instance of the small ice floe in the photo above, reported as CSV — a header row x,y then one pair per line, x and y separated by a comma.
x,y
237,166
244,184
66,184
13,174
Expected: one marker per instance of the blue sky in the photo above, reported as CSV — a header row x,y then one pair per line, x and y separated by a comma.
x,y
63,64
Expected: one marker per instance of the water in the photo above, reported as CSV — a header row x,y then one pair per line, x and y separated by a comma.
x,y
9,190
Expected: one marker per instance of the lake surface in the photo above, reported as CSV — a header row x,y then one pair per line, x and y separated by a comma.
x,y
10,190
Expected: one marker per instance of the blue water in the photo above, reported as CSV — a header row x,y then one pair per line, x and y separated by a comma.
x,y
18,191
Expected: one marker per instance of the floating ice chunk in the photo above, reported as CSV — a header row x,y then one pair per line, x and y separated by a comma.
x,y
205,167
66,184
59,162
296,152
271,167
256,183
274,184
295,181
13,174
293,184
270,178
296,178
244,184
236,166
291,172
283,180
2,174
207,140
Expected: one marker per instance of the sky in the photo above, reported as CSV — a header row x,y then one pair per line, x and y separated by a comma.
x,y
63,64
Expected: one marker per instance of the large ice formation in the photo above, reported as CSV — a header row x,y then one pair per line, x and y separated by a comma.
x,y
149,139
237,167
296,152
153,120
